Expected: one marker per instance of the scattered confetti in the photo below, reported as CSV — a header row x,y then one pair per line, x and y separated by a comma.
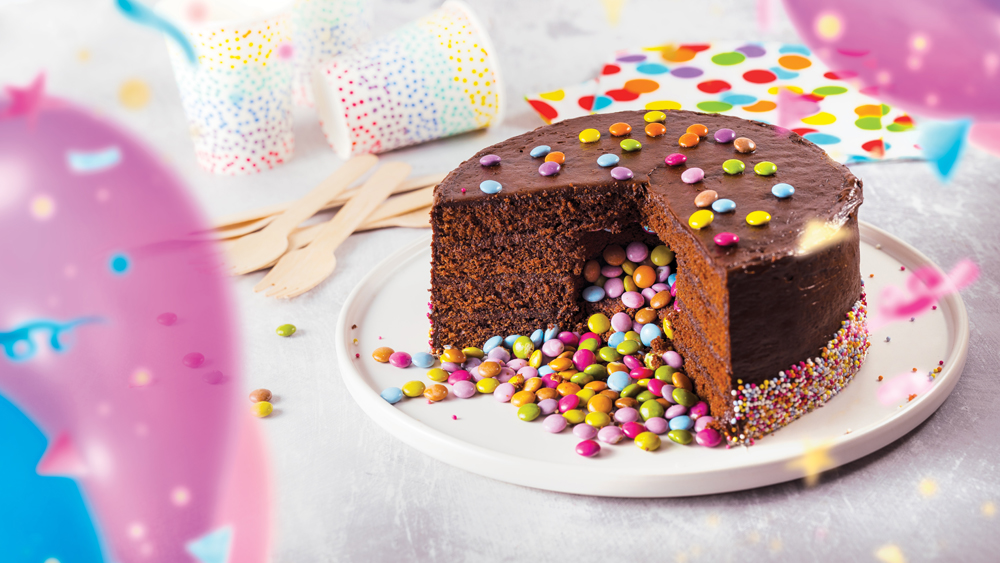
x,y
89,162
134,94
42,207
814,460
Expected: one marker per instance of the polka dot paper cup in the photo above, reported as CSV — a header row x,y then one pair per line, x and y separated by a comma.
x,y
238,97
322,30
429,79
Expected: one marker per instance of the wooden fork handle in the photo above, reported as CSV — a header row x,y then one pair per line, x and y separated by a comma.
x,y
320,195
375,191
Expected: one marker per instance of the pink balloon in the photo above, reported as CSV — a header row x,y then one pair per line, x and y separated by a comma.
x,y
938,59
95,247
986,136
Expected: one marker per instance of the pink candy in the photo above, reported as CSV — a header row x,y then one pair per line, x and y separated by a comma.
x,y
569,338
648,293
400,359
726,239
457,376
553,348
675,159
610,435
611,271
692,175
673,359
555,423
588,448
621,322
633,429
675,411
463,389
709,437
614,288
585,431
583,358
702,423
503,392
657,425
655,387
632,299
627,414
528,372
517,364
568,403
662,274
631,362
636,252
699,410
550,381
642,373
548,406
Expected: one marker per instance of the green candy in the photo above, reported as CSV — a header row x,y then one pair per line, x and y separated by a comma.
x,y
661,255
765,168
286,330
582,378
629,390
627,347
629,145
684,397
473,352
632,335
523,347
601,280
682,437
590,344
609,354
650,409
530,412
597,371
645,396
733,166
664,373
647,360
574,416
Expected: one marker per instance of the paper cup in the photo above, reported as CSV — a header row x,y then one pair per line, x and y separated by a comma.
x,y
323,29
429,79
238,97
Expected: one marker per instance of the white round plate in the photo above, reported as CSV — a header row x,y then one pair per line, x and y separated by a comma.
x,y
481,435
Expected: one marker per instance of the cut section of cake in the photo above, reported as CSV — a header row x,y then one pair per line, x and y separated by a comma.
x,y
770,326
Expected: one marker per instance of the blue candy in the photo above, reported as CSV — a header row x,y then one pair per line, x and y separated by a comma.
x,y
782,190
492,343
490,187
593,294
682,422
723,205
540,151
619,380
606,160
649,333
393,395
422,360
536,337
616,339
509,341
545,370
671,279
551,333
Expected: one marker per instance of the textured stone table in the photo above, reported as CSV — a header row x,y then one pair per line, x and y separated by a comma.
x,y
348,491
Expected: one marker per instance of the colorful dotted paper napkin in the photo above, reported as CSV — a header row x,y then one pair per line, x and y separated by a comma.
x,y
743,79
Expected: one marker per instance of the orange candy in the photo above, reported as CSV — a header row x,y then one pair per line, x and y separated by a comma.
x,y
556,157
688,140
436,393
655,129
698,129
620,129
644,276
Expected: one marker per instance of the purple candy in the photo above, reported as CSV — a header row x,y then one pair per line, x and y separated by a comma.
x,y
621,173
585,431
588,448
610,435
517,363
657,425
621,322
692,175
553,348
632,299
400,359
489,160
662,273
548,406
550,381
709,437
673,359
464,389
724,135
631,362
675,159
474,372
637,326
554,423
548,168
658,287
614,288
699,410
527,372
460,375
611,271
702,423
503,392
668,392
499,355
675,410
648,293
569,338
583,358
636,251
450,367
472,362
505,375
627,414
568,403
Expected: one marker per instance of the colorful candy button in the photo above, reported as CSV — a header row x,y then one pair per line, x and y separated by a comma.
x,y
606,160
723,205
701,219
733,166
688,140
620,129
655,130
765,168
654,116
590,136
621,173
725,135
549,168
692,175
698,129
782,190
556,157
726,239
490,186
675,159
745,145
489,160
706,198
630,145
593,294
540,151
757,218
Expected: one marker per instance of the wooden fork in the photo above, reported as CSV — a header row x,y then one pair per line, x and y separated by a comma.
x,y
301,270
256,250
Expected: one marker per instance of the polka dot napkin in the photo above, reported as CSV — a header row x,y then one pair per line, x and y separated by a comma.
x,y
745,80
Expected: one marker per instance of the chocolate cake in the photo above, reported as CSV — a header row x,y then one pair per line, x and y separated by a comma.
x,y
770,327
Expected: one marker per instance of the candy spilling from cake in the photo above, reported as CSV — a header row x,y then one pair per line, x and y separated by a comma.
x,y
650,237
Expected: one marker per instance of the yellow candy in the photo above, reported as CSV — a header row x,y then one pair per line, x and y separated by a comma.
x,y
633,335
535,360
262,409
758,218
590,136
574,416
647,441
413,388
598,419
585,395
654,116
437,374
598,323
702,218
473,352
487,385
668,329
